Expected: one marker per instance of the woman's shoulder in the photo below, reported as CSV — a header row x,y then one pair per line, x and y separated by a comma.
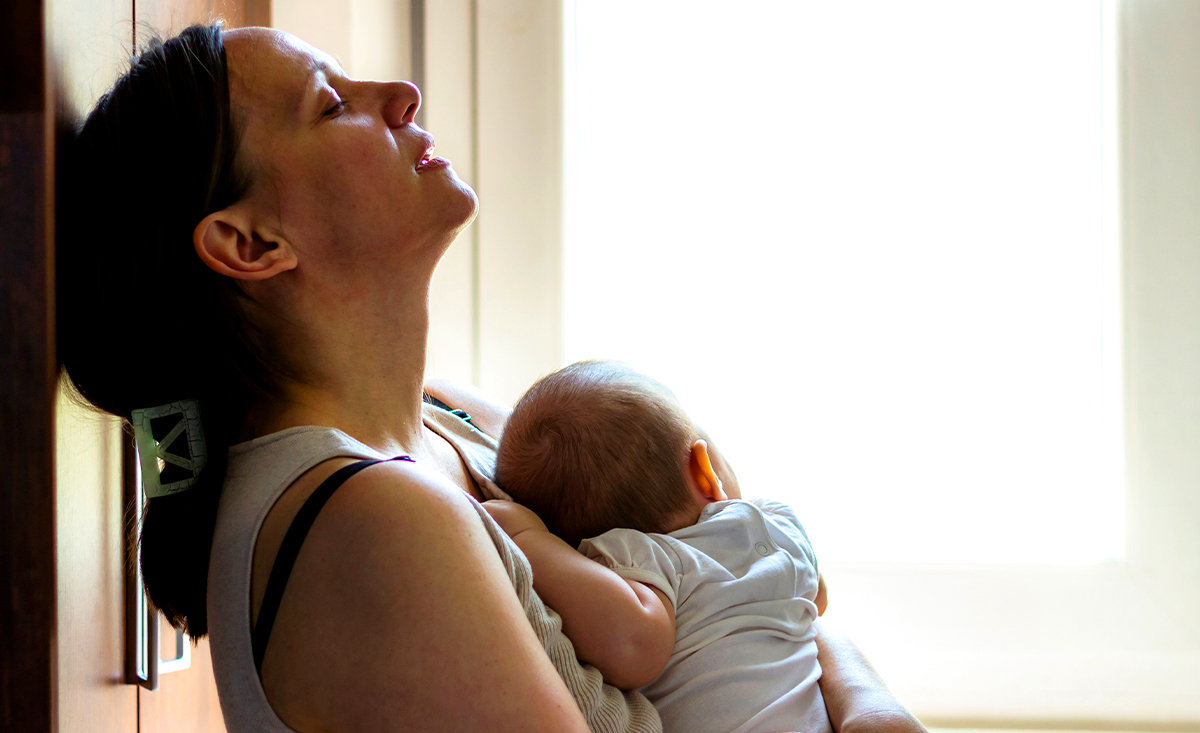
x,y
396,520
398,496
260,470
249,531
401,574
379,512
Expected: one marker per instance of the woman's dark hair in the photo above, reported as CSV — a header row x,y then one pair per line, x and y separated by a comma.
x,y
142,321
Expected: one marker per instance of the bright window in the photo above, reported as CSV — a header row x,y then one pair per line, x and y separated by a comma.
x,y
871,247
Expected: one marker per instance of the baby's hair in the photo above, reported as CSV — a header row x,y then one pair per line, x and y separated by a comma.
x,y
595,446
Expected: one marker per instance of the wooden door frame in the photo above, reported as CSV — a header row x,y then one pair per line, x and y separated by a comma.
x,y
28,370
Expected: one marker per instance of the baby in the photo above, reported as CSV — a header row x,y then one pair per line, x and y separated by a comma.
x,y
702,600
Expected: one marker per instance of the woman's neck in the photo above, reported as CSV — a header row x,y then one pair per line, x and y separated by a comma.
x,y
363,368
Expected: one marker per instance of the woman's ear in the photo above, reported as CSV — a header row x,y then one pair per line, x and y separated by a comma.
x,y
229,243
703,475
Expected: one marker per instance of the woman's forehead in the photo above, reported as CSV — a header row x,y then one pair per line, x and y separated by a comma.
x,y
272,69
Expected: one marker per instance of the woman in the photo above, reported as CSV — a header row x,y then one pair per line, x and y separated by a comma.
x,y
286,224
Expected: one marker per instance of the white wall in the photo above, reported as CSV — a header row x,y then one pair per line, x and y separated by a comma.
x,y
520,108
1161,120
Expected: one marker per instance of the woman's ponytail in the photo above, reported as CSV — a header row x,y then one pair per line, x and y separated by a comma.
x,y
142,321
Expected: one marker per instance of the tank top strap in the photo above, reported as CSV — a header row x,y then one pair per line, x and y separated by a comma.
x,y
289,550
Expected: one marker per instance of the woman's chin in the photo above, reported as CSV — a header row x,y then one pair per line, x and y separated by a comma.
x,y
455,218
468,205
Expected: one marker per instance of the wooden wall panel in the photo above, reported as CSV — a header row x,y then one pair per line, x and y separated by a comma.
x,y
185,701
27,679
92,695
26,422
257,12
61,640
167,17
90,43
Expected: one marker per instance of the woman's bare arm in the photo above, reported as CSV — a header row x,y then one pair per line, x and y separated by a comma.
x,y
855,696
399,616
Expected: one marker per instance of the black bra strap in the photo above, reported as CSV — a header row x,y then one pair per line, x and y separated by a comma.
x,y
425,396
290,548
461,414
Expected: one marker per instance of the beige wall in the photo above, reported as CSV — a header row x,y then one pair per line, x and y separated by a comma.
x,y
369,37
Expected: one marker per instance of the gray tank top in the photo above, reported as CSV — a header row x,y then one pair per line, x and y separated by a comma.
x,y
258,473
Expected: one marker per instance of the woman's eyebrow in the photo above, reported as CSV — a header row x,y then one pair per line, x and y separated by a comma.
x,y
324,67
313,85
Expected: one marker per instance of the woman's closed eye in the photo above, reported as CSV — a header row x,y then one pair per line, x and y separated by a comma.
x,y
335,109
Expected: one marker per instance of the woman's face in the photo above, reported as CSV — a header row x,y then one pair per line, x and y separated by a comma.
x,y
338,164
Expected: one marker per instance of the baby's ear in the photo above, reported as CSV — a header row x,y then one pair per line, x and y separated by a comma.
x,y
701,470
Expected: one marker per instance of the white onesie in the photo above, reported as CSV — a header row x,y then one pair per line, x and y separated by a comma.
x,y
744,583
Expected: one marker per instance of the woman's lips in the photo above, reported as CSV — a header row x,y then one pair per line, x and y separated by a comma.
x,y
430,163
426,154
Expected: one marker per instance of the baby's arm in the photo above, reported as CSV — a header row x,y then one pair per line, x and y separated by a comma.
x,y
623,628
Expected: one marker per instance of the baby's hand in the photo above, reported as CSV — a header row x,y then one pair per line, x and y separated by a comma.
x,y
513,518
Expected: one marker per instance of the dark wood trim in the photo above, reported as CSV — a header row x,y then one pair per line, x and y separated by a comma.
x,y
129,555
22,56
28,613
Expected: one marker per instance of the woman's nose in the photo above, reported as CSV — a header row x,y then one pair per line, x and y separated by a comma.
x,y
403,99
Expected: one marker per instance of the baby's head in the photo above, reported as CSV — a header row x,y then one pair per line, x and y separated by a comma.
x,y
597,445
